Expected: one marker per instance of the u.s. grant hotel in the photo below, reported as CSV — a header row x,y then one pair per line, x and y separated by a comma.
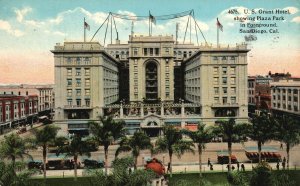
x,y
149,82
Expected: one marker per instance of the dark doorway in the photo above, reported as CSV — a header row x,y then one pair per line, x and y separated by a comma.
x,y
152,132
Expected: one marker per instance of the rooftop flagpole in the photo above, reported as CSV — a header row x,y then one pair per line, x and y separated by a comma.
x,y
84,27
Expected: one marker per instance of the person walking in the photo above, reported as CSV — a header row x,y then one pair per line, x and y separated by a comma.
x,y
208,162
277,166
281,146
238,166
243,167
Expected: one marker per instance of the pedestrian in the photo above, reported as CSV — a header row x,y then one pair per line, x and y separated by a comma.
x,y
238,166
169,167
283,165
211,167
227,167
277,166
130,171
232,168
284,160
243,167
281,146
208,162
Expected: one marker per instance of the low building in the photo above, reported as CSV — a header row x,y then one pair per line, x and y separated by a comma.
x,y
45,95
17,110
286,97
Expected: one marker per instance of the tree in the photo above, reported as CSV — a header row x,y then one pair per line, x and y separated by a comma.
x,y
105,132
121,176
261,130
43,138
9,177
13,147
172,142
139,141
75,148
200,137
288,132
231,132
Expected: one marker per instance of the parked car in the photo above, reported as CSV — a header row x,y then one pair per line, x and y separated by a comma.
x,y
35,164
93,164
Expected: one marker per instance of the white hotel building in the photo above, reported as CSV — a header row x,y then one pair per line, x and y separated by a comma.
x,y
149,82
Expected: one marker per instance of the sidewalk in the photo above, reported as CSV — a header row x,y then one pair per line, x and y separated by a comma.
x,y
14,131
176,169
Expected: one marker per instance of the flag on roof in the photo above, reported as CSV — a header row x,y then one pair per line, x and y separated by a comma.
x,y
219,25
152,18
86,25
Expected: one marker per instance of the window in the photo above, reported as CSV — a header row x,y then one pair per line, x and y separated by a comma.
x,y
69,60
216,90
233,99
86,60
289,90
69,92
284,91
232,79
69,72
215,58
216,80
78,72
151,51
145,51
87,71
78,60
135,51
233,90
167,75
224,90
283,97
156,51
135,68
224,80
167,68
87,102
87,92
224,70
78,102
135,96
78,82
224,99
167,50
184,54
216,99
135,75
216,69
69,82
87,82
232,70
135,82
224,58
78,92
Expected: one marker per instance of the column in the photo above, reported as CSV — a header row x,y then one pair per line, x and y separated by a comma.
x,y
121,111
142,110
162,111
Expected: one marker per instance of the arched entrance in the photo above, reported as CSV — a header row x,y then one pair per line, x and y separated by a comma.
x,y
151,82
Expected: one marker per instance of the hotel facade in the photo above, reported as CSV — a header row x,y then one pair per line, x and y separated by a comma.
x,y
149,82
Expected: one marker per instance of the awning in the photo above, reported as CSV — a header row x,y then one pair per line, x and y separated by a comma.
x,y
43,117
191,127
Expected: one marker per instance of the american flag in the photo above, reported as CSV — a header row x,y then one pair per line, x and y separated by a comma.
x,y
219,25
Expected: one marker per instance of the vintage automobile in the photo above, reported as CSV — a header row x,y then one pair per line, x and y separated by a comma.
x,y
223,158
269,154
60,162
37,164
93,164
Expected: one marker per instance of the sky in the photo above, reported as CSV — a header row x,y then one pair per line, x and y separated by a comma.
x,y
29,29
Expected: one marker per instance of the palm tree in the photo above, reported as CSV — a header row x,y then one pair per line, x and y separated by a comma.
x,y
200,137
261,130
105,132
139,141
288,132
231,132
13,147
43,138
75,148
172,142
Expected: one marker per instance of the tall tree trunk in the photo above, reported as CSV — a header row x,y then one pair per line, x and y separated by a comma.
x,y
200,159
288,155
229,155
75,167
259,151
44,161
135,163
13,159
106,158
170,157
